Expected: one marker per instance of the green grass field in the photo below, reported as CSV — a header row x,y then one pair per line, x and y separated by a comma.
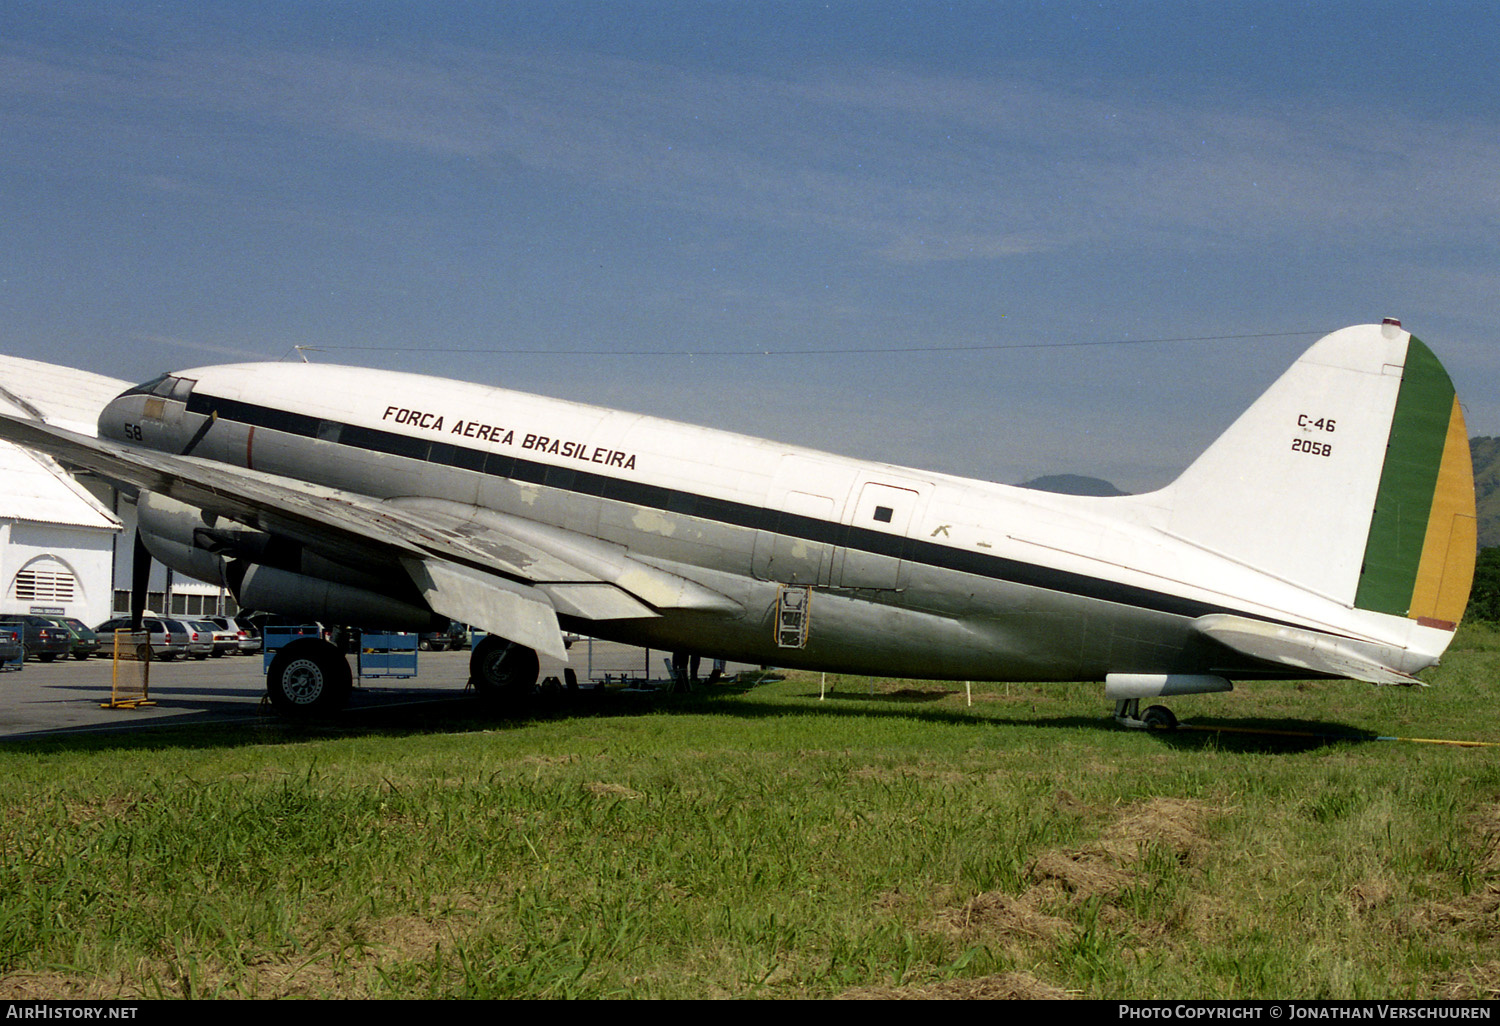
x,y
757,842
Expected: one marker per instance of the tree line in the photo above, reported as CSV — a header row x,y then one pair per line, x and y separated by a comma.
x,y
1484,598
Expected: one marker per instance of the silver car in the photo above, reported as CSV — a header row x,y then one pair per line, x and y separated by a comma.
x,y
248,640
168,637
200,640
225,642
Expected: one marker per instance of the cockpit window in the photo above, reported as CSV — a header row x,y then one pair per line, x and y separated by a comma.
x,y
146,388
167,386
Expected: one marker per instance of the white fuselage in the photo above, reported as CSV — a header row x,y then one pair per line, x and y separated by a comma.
x,y
907,572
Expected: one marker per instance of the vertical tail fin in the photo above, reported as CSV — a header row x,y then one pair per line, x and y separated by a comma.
x,y
1350,477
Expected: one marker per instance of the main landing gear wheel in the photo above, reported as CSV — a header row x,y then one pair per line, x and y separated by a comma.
x,y
309,677
1156,717
503,672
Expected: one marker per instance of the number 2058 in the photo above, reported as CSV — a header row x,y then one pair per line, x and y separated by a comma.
x,y
1312,448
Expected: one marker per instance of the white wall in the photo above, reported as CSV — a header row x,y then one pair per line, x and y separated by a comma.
x,y
87,553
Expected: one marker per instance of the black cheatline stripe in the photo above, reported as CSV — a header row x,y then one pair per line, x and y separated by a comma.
x,y
723,511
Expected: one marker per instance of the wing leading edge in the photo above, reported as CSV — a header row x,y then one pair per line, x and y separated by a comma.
x,y
509,576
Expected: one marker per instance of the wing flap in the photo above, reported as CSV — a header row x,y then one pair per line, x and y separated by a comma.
x,y
518,612
560,560
596,602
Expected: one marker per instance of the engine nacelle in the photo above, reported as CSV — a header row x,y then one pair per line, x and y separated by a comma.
x,y
312,598
276,574
169,530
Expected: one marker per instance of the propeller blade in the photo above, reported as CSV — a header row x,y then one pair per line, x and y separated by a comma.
x,y
140,580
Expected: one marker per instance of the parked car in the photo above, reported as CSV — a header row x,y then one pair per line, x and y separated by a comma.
x,y
168,637
200,640
10,647
247,636
84,641
226,642
40,637
455,638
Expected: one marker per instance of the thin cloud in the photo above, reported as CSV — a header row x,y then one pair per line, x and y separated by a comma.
x,y
238,352
988,169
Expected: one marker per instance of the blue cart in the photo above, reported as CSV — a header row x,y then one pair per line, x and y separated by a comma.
x,y
392,654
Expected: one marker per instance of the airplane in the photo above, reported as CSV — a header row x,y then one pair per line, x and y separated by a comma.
x,y
1329,532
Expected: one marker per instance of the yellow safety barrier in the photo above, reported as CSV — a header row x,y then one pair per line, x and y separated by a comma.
x,y
130,681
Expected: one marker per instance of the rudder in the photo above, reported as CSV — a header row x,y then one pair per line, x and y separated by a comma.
x,y
1420,553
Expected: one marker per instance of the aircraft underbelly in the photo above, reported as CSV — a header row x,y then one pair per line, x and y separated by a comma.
x,y
1001,630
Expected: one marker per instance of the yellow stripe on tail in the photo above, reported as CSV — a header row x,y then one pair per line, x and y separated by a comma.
x,y
1446,570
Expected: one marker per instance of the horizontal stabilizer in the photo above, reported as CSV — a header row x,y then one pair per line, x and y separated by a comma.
x,y
1298,648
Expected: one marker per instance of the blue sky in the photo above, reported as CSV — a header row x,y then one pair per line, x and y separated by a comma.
x,y
792,193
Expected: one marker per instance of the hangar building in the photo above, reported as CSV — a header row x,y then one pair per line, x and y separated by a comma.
x,y
65,544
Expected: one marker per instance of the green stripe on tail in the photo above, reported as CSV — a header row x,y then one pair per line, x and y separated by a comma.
x,y
1426,492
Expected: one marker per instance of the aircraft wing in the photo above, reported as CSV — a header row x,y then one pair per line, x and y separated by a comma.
x,y
1294,646
505,574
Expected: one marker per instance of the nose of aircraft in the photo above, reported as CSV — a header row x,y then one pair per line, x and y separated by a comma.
x,y
121,417
150,414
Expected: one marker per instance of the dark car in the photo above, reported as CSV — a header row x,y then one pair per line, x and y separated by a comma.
x,y
10,648
39,635
455,638
84,641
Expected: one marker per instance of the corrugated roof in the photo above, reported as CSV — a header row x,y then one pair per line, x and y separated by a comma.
x,y
32,486
37,489
64,396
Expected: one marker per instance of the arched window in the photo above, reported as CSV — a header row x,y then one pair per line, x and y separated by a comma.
x,y
44,581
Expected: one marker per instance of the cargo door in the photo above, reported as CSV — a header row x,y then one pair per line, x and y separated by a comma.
x,y
795,543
